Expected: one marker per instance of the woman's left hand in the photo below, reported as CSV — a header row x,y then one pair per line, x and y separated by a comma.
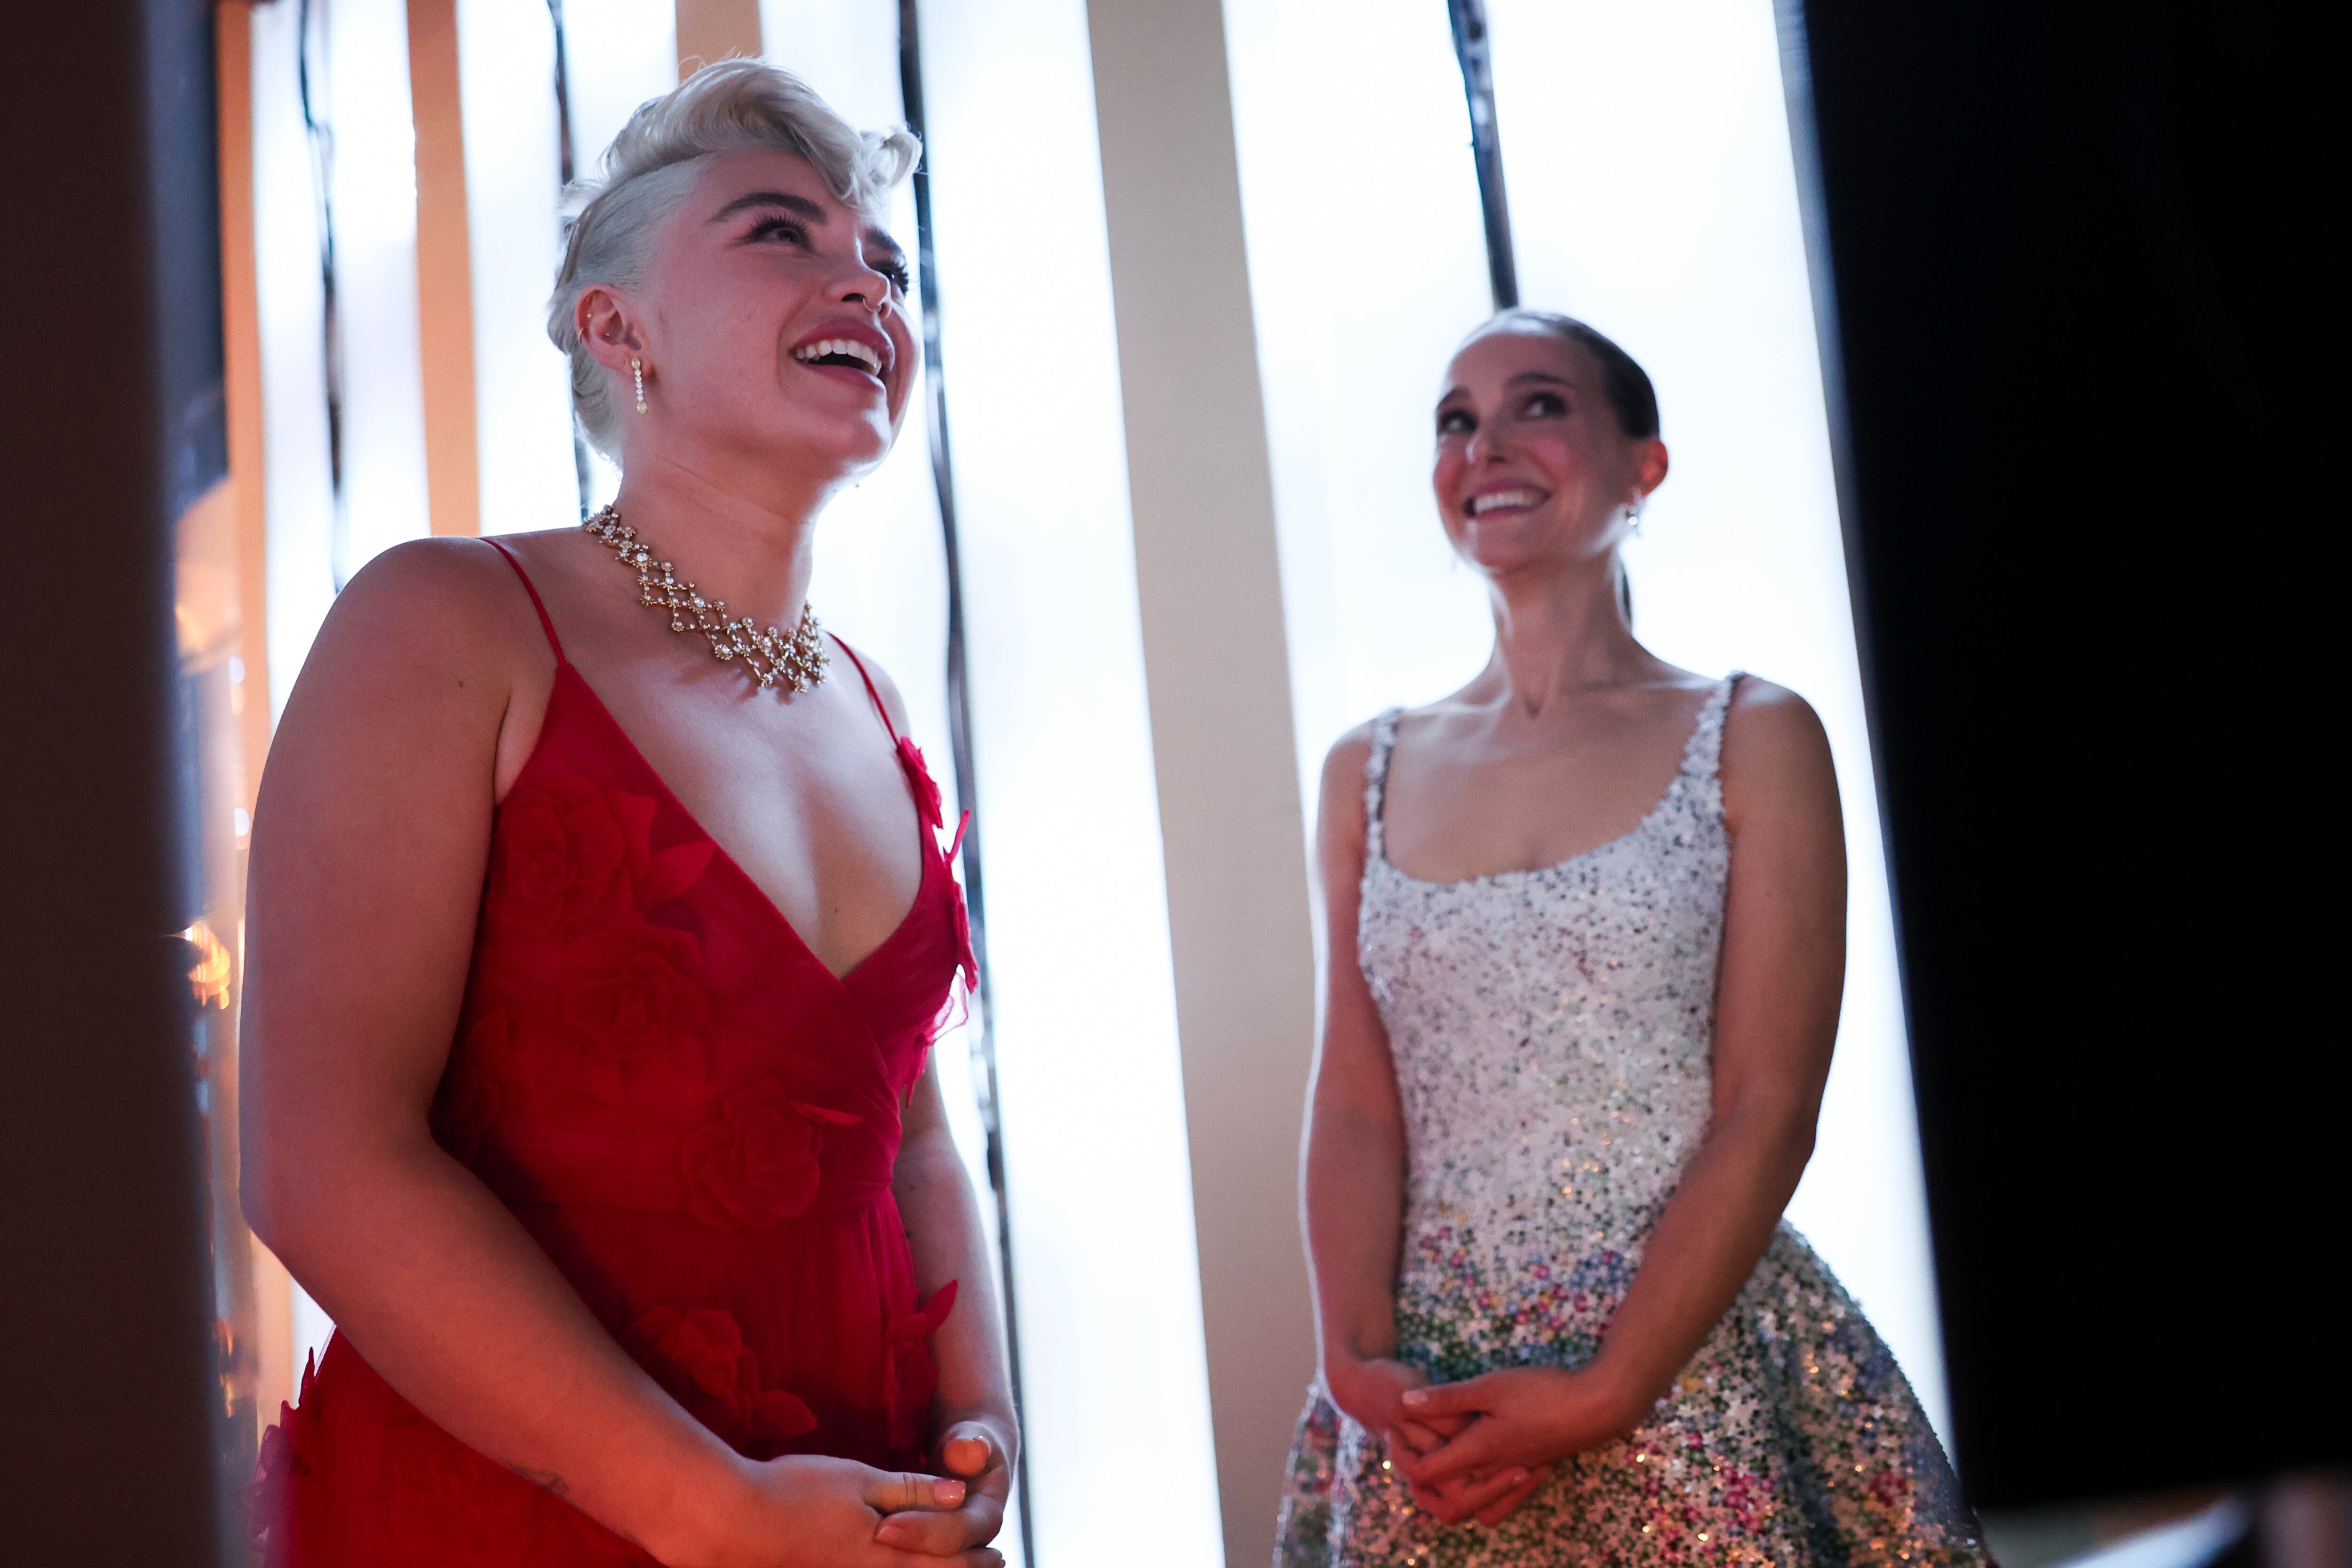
x,y
971,1452
1526,1418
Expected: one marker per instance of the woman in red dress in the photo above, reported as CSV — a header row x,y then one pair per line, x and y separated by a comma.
x,y
593,977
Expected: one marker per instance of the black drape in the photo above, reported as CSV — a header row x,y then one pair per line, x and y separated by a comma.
x,y
2069,261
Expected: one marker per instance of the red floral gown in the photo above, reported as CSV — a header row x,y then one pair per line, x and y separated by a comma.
x,y
695,1119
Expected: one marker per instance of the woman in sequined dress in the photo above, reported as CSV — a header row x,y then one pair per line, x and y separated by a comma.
x,y
1598,906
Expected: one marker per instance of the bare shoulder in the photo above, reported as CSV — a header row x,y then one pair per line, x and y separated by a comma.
x,y
433,637
433,602
1776,754
1344,765
887,688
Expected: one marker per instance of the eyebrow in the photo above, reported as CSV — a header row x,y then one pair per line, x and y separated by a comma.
x,y
803,208
1458,390
800,205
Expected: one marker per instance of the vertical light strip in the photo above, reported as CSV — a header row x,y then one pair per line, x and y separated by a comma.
x,y
1208,579
1355,324
362,84
528,478
298,486
986,1094
272,1351
444,299
1100,1175
710,30
241,333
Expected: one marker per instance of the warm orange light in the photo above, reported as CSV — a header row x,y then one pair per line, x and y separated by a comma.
x,y
210,976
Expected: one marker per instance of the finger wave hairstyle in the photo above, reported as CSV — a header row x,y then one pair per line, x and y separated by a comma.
x,y
735,106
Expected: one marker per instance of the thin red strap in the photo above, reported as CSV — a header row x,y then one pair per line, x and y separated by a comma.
x,y
870,690
544,624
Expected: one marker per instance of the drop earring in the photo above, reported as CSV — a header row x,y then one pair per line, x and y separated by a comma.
x,y
1632,513
637,368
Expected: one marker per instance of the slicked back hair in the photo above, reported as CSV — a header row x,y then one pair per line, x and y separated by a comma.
x,y
735,106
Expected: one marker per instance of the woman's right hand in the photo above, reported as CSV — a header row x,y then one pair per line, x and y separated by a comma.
x,y
810,1511
1372,1393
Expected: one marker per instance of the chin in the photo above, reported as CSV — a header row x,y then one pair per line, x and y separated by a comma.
x,y
851,447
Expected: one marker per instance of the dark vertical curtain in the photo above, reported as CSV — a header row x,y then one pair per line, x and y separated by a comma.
x,y
2071,264
113,425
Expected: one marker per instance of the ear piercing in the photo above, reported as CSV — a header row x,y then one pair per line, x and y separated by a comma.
x,y
637,368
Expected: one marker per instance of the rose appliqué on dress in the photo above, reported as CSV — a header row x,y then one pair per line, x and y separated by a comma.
x,y
701,1359
569,853
757,1161
633,1000
919,780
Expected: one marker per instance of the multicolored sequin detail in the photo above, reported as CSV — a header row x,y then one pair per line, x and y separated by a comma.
x,y
1553,1032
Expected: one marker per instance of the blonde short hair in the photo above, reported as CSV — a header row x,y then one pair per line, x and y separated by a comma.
x,y
735,106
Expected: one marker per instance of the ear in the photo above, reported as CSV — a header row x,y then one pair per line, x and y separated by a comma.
x,y
606,320
1650,467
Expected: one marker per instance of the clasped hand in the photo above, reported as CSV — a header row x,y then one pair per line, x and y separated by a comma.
x,y
808,1510
1478,1448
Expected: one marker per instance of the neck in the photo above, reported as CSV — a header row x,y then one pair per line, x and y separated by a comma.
x,y
753,550
1560,633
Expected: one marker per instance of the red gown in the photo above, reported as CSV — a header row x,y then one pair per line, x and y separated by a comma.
x,y
695,1117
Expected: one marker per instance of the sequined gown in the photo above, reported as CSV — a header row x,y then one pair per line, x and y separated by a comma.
x,y
1552,1033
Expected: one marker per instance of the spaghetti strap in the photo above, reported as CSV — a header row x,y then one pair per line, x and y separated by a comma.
x,y
870,690
1376,784
544,624
1703,755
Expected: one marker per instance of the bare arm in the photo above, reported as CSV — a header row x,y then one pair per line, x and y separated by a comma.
x,y
1354,1164
1783,970
976,1435
369,850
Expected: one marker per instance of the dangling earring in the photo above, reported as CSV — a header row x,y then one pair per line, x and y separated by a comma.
x,y
637,368
1632,513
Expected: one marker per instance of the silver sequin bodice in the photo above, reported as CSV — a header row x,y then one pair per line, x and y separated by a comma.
x,y
1551,1031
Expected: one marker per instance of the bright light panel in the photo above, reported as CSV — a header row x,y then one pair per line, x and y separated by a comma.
x,y
1116,1368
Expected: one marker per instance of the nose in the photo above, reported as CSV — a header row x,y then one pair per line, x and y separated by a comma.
x,y
860,285
1486,444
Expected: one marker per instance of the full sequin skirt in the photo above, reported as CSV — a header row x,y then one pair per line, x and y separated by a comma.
x,y
1792,1439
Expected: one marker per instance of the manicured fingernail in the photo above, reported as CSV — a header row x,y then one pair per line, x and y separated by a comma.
x,y
1416,1396
1518,1478
949,1494
891,1533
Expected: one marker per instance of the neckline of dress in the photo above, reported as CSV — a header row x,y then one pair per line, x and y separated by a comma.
x,y
1379,849
926,851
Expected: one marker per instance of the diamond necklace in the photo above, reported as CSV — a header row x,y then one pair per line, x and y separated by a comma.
x,y
798,661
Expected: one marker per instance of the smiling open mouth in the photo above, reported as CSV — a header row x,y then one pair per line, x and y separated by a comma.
x,y
1497,500
845,352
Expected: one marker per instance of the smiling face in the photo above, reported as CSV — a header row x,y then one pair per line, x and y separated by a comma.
x,y
773,325
1533,470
